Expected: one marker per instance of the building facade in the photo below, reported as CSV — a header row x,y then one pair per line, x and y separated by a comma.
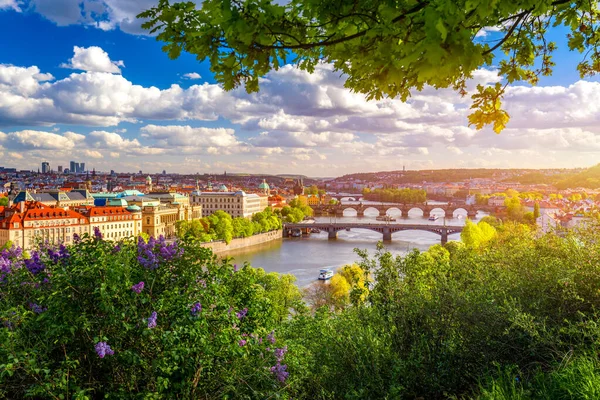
x,y
115,223
29,222
237,204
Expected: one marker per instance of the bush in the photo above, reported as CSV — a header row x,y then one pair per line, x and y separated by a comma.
x,y
139,320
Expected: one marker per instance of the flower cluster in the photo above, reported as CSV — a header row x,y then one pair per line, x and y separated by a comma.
x,y
76,238
271,337
242,343
280,369
138,288
152,320
36,308
35,264
151,254
196,308
97,233
58,255
10,259
241,314
102,349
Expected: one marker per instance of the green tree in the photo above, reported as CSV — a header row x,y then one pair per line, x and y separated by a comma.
x,y
536,211
383,48
3,201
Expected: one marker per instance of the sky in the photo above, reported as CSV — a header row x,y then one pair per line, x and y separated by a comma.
x,y
81,81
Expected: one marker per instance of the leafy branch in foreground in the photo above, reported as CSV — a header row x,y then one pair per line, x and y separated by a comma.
x,y
383,48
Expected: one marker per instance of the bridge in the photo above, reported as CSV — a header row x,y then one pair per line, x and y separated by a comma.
x,y
386,229
340,196
448,210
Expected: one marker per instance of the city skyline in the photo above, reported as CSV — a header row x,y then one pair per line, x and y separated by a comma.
x,y
100,88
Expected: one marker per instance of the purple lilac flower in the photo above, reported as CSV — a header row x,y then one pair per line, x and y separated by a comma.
x,y
280,353
34,264
152,320
102,349
76,238
138,288
196,308
280,371
151,254
97,233
117,248
235,268
260,340
58,255
241,314
242,343
36,308
271,337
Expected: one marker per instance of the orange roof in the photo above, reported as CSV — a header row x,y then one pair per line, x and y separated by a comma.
x,y
111,210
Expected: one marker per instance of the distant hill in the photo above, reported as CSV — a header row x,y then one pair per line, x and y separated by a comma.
x,y
589,179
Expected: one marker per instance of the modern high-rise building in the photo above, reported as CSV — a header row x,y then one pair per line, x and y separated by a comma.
x,y
60,170
45,167
76,168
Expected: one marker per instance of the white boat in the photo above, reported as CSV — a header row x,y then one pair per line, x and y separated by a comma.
x,y
386,218
434,218
325,274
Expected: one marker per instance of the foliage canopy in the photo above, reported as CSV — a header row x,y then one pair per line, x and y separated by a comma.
x,y
384,48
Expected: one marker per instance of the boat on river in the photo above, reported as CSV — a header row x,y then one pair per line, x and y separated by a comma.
x,y
325,274
385,218
434,218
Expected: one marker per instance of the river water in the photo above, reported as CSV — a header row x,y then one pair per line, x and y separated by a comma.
x,y
304,256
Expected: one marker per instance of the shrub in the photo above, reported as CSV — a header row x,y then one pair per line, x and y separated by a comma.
x,y
138,320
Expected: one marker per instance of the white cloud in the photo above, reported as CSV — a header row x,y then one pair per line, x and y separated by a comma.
x,y
192,75
93,59
190,139
102,14
9,5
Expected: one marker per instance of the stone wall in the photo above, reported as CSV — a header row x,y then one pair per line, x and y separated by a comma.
x,y
240,243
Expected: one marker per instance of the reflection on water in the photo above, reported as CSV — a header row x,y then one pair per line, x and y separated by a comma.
x,y
303,257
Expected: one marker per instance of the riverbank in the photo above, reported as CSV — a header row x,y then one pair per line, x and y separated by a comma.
x,y
219,247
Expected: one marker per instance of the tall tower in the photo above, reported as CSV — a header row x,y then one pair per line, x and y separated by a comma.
x,y
149,183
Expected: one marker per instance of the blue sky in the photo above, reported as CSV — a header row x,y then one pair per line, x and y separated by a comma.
x,y
80,81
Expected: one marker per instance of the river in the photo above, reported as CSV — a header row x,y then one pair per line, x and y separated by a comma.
x,y
304,256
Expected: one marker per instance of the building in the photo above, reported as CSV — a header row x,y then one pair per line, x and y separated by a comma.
x,y
57,198
28,222
298,187
115,223
496,201
45,167
76,168
60,169
237,204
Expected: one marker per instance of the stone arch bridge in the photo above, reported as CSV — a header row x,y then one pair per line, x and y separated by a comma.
x,y
385,229
448,209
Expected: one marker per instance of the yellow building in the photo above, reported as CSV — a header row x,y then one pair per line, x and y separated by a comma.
x,y
115,223
237,204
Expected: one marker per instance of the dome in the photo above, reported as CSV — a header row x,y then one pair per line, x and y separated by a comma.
x,y
134,208
264,185
223,188
149,179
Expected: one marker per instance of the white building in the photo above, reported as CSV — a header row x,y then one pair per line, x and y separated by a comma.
x,y
237,204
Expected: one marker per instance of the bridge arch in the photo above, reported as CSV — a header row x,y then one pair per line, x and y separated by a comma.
x,y
415,211
437,211
460,211
371,211
349,212
393,212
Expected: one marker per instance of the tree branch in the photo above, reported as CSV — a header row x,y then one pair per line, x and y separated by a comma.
x,y
508,34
